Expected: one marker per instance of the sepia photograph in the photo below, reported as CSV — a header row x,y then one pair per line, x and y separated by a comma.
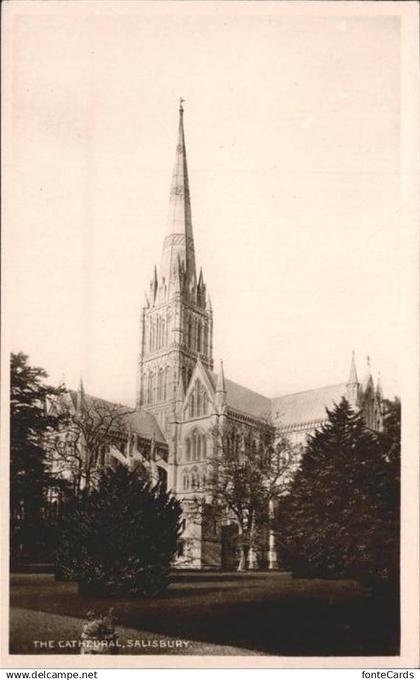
x,y
209,333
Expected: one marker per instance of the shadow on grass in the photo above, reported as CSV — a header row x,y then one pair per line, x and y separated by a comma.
x,y
289,617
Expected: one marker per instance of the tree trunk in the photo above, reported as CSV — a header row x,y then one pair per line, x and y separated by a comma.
x,y
242,559
243,552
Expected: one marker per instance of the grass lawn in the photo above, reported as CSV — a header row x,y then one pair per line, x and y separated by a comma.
x,y
216,613
34,632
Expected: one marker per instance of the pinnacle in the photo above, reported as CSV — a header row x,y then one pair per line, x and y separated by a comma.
x,y
353,373
221,387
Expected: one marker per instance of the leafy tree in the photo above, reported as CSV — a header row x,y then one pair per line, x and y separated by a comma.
x,y
119,537
30,424
340,518
249,470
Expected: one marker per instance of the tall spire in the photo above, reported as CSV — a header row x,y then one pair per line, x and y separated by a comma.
x,y
353,373
179,239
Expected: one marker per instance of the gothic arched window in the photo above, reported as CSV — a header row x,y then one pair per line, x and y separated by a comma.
x,y
155,387
188,450
206,339
163,337
204,447
150,388
195,479
194,446
192,346
198,447
205,401
168,318
165,383
197,391
189,333
186,482
199,330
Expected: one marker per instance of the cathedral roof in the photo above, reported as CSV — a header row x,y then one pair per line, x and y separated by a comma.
x,y
139,422
242,399
145,425
290,409
308,406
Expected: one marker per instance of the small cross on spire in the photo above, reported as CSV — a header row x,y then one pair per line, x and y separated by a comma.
x,y
181,101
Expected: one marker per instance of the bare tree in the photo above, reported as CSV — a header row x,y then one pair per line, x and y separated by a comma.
x,y
251,467
92,434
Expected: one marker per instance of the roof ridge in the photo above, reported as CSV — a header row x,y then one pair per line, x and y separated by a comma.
x,y
313,389
106,401
233,382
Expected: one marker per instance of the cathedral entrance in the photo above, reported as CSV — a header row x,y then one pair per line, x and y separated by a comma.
x,y
230,549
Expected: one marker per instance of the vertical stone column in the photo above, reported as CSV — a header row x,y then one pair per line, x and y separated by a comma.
x,y
272,552
139,385
252,555
252,559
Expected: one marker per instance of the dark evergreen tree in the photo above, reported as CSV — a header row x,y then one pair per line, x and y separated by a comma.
x,y
30,423
389,488
120,537
340,518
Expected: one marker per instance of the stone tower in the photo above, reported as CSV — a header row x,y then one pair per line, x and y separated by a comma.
x,y
176,324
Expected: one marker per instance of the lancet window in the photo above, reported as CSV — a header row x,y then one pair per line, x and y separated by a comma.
x,y
195,479
186,482
160,386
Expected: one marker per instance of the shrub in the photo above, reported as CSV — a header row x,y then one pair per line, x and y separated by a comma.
x,y
119,539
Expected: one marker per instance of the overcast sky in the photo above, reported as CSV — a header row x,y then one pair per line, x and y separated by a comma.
x,y
293,142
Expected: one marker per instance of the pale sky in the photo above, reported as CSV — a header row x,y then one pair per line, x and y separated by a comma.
x,y
292,128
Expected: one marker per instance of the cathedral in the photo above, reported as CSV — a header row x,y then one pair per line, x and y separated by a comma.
x,y
180,397
177,383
